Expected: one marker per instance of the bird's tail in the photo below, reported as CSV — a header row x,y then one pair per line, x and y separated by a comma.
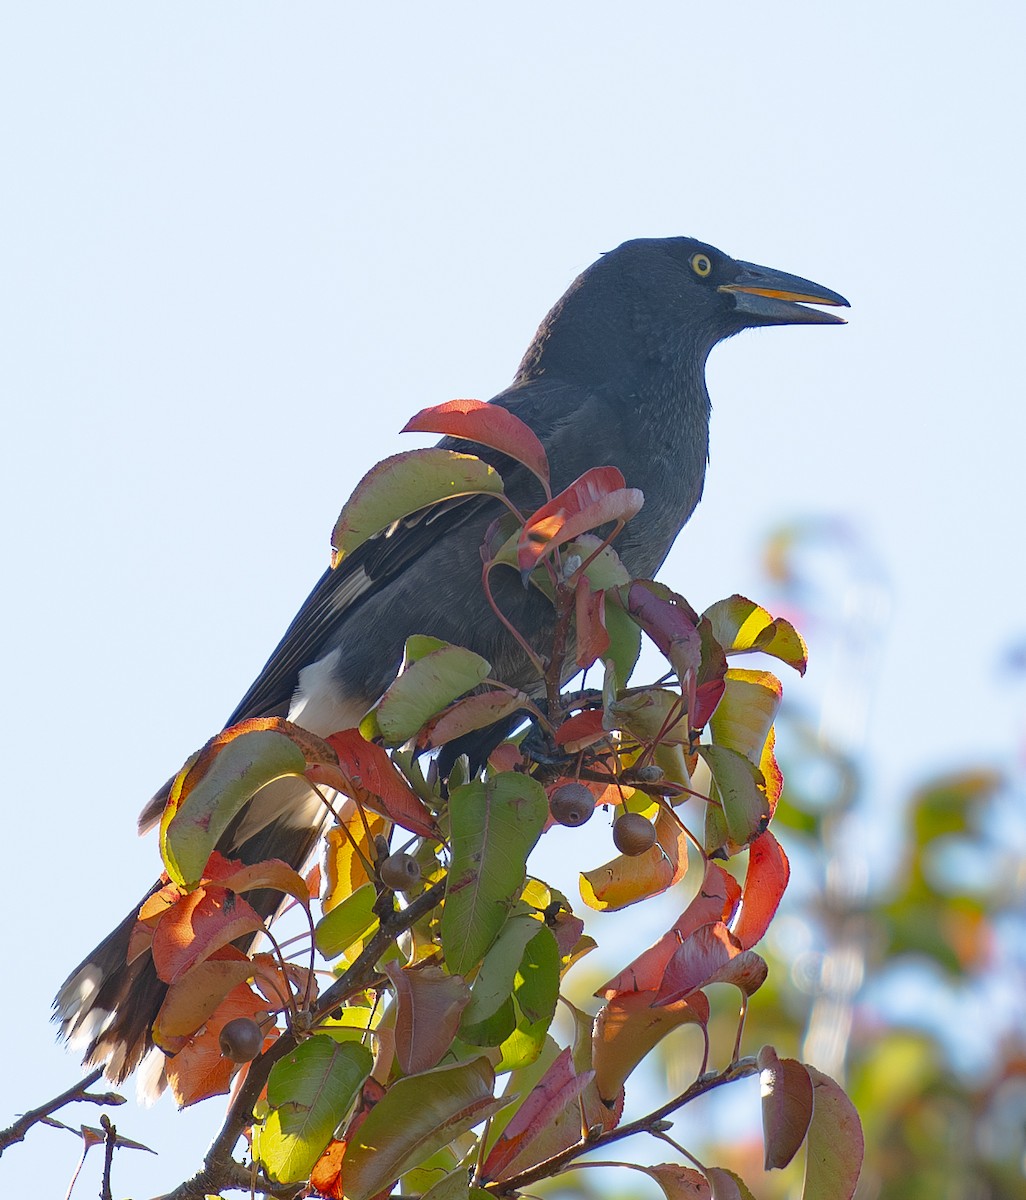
x,y
107,1005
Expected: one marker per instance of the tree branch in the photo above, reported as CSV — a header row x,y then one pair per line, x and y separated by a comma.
x,y
543,1170
77,1092
219,1168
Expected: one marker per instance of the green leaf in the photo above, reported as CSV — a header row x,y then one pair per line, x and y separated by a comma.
x,y
417,1116
454,1186
537,983
212,789
428,684
404,484
836,1145
309,1093
494,1029
347,923
524,1044
741,789
495,980
494,825
624,640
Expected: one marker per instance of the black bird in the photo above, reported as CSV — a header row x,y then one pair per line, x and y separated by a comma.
x,y
615,375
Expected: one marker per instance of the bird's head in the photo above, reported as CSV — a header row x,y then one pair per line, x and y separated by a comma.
x,y
669,301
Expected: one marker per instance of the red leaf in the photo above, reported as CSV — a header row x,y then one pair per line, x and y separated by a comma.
x,y
468,714
710,955
558,1088
592,635
369,775
488,425
670,622
716,901
595,498
786,1106
199,924
429,1003
200,1070
581,730
765,881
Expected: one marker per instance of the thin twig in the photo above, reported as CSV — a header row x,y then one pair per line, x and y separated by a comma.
x,y
77,1092
219,1169
736,1070
110,1140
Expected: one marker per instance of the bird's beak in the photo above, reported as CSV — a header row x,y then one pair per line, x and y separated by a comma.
x,y
769,297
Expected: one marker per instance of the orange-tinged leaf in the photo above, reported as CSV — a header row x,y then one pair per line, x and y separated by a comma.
x,y
488,425
369,775
150,914
344,869
716,901
326,1177
195,995
506,757
199,1070
271,873
627,879
429,1003
404,484
787,1099
765,881
628,1026
199,924
771,773
835,1142
594,498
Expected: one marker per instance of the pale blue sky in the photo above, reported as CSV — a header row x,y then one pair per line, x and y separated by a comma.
x,y
241,243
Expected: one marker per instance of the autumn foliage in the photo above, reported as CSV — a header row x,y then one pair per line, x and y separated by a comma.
x,y
408,1035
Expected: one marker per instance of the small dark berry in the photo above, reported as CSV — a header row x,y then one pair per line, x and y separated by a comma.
x,y
399,871
241,1039
571,804
633,834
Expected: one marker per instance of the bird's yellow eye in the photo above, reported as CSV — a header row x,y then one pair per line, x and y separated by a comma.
x,y
701,264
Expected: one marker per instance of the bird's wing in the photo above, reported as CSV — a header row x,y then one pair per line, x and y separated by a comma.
x,y
551,408
336,593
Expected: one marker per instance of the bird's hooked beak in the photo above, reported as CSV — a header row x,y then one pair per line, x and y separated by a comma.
x,y
768,297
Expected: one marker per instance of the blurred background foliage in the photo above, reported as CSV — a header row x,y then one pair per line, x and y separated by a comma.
x,y
898,956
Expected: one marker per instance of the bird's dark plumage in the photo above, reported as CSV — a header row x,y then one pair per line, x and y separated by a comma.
x,y
615,375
